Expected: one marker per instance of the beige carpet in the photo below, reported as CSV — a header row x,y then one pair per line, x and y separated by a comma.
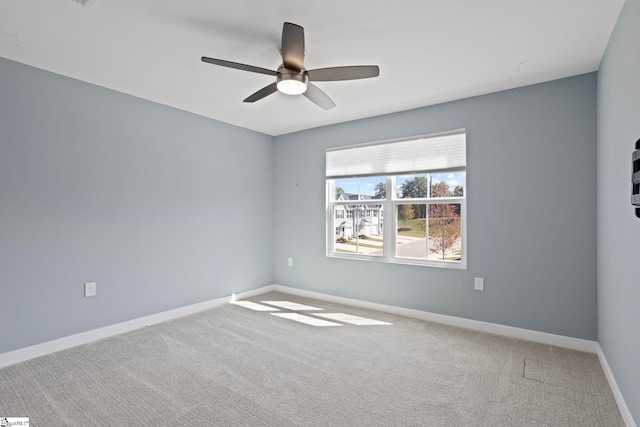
x,y
236,366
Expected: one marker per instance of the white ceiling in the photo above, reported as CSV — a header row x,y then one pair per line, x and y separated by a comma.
x,y
429,51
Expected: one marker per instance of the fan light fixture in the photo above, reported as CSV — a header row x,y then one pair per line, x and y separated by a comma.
x,y
292,87
291,82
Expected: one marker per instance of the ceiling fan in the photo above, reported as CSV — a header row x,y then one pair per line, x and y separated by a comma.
x,y
292,78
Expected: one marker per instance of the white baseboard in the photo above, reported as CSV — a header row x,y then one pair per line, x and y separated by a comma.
x,y
617,394
476,325
23,354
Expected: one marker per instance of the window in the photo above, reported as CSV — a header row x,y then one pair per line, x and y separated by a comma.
x,y
420,182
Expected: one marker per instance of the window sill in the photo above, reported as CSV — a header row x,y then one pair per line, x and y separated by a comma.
x,y
458,265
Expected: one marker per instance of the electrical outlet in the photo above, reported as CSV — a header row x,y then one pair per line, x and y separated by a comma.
x,y
479,284
290,262
90,289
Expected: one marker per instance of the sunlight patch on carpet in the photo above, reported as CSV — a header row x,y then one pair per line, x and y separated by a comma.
x,y
305,319
351,319
255,306
289,305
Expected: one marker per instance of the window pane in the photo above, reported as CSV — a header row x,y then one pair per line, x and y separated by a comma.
x,y
440,221
444,227
373,187
358,229
447,184
411,237
412,186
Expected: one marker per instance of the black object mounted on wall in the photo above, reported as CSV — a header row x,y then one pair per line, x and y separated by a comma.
x,y
635,179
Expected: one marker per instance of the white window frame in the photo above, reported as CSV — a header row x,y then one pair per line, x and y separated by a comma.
x,y
389,212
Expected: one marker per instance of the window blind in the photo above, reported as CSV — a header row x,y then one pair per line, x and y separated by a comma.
x,y
420,154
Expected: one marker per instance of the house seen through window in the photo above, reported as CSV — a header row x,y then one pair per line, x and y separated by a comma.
x,y
425,221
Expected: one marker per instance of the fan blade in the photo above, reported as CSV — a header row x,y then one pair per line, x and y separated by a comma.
x,y
292,46
318,97
354,72
238,66
264,92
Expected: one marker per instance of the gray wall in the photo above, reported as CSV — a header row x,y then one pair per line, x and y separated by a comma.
x,y
531,156
618,227
162,208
